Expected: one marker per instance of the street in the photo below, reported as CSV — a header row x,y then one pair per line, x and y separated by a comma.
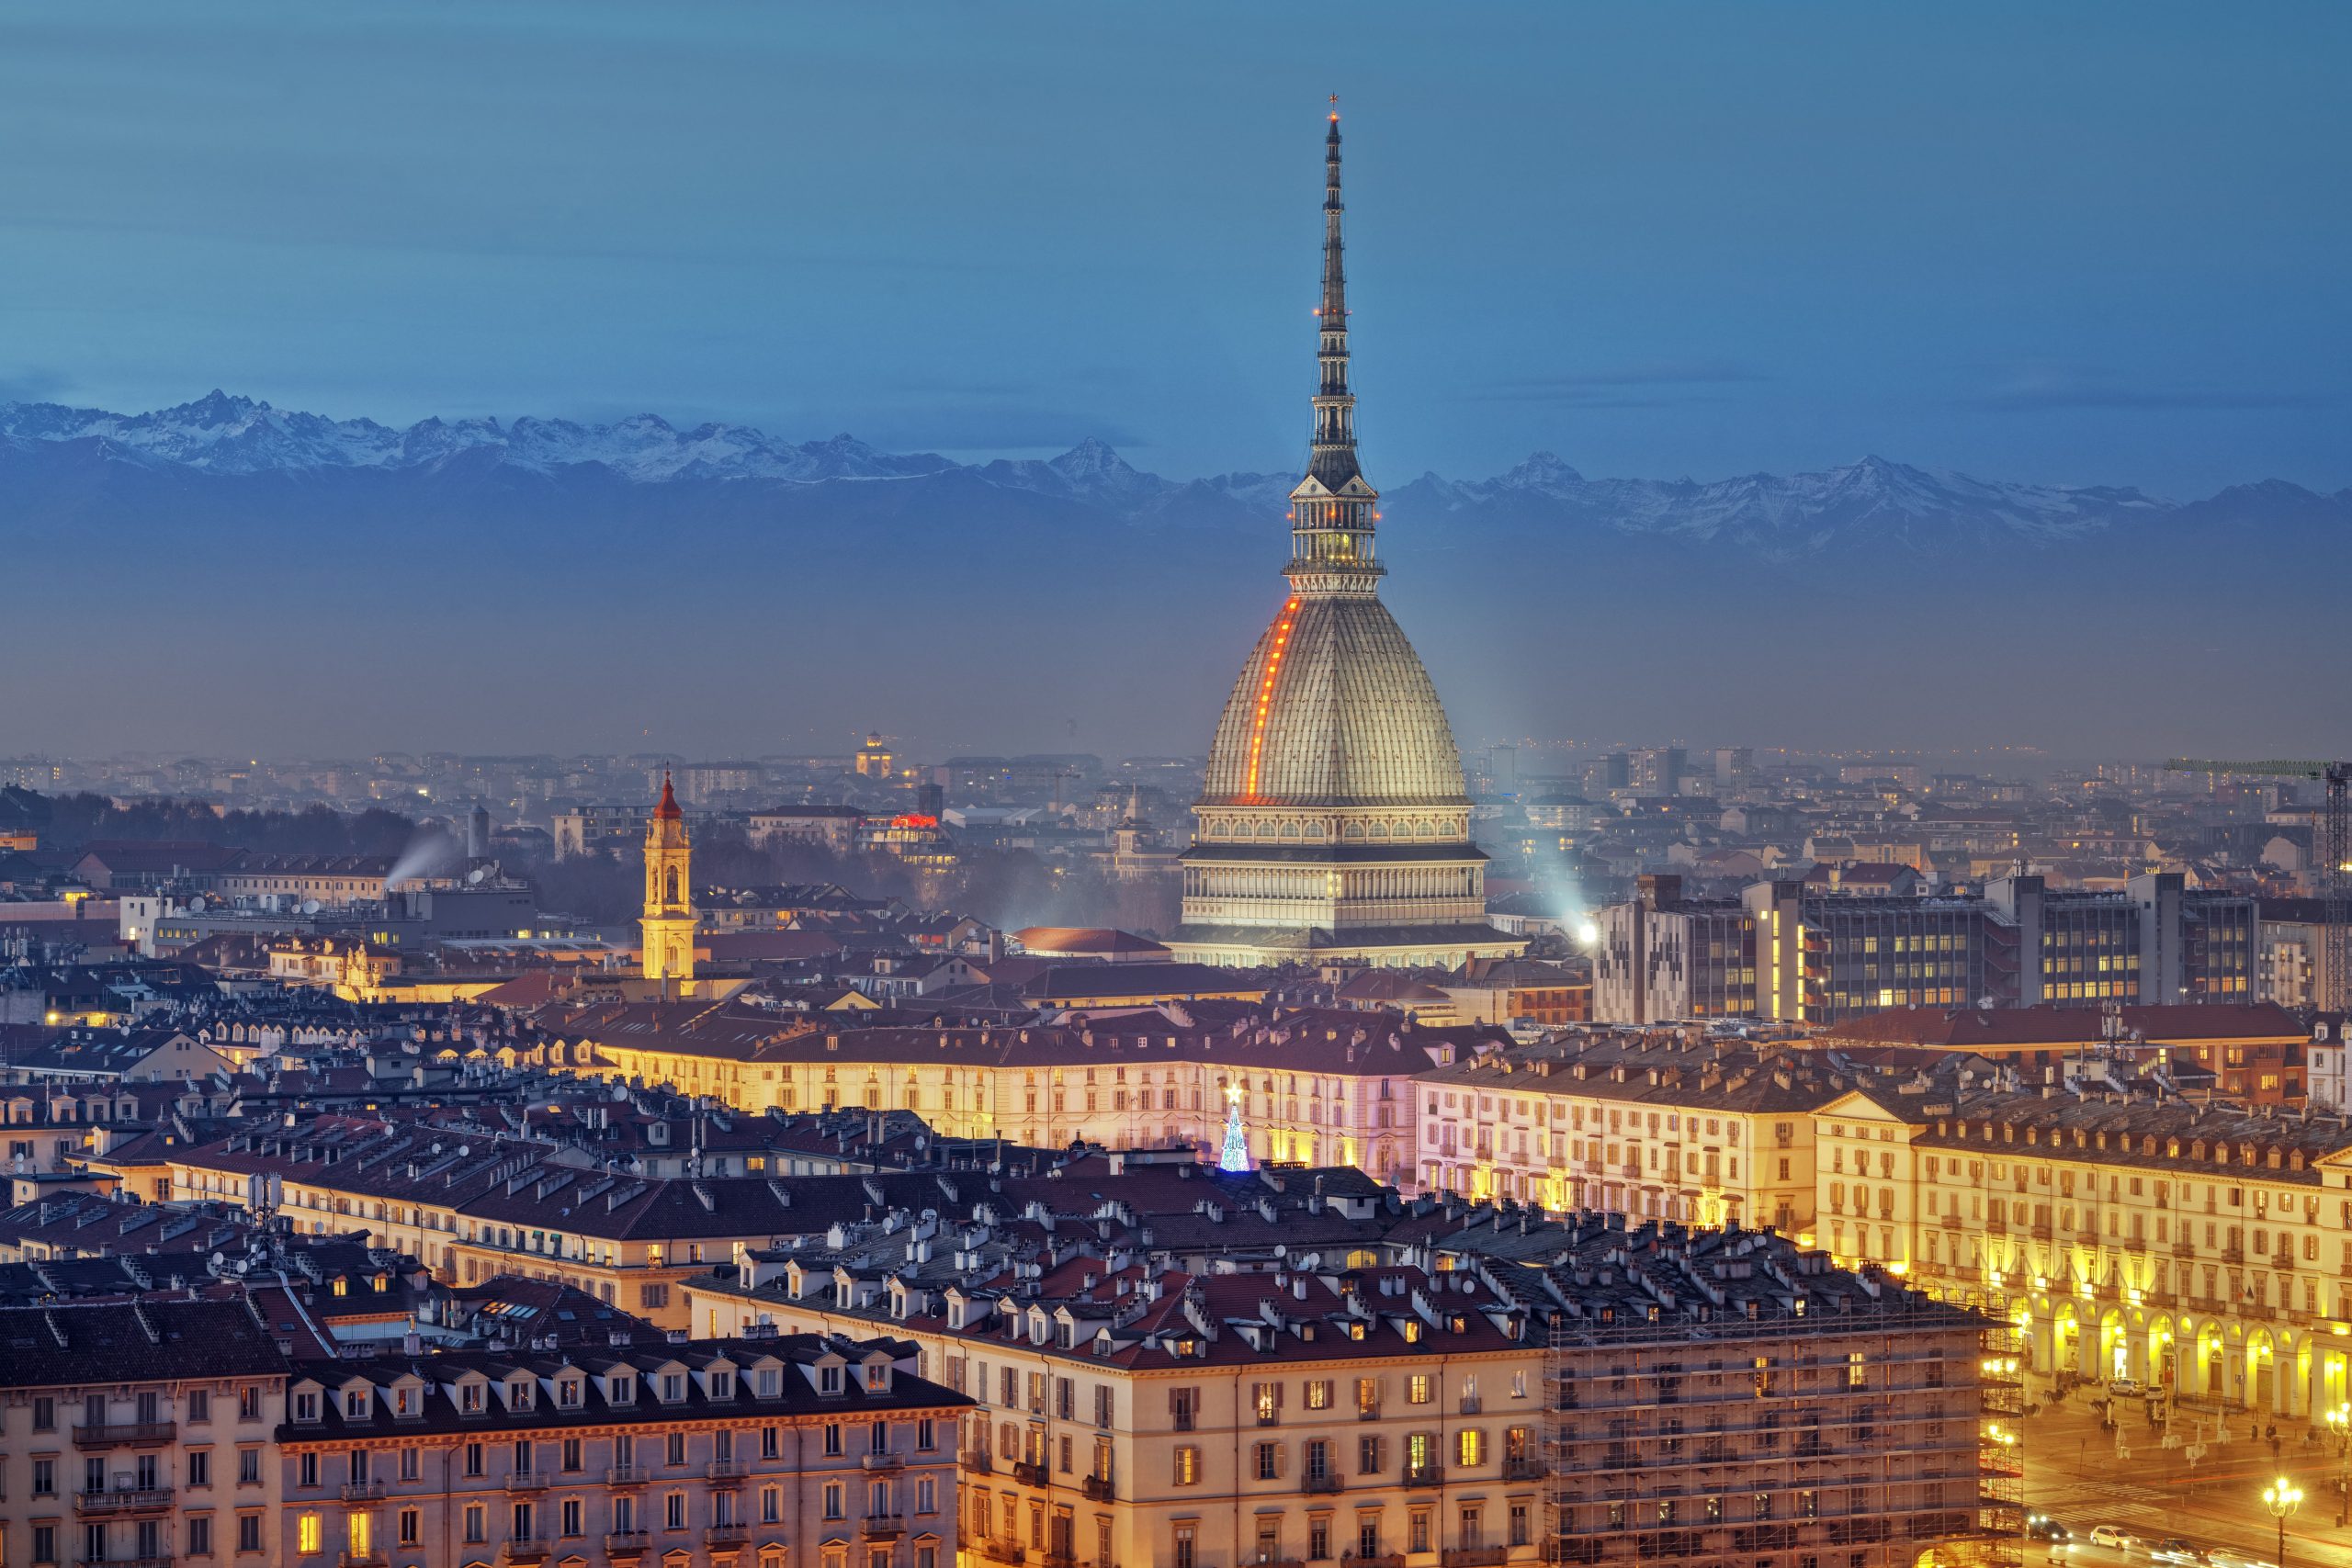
x,y
2074,1473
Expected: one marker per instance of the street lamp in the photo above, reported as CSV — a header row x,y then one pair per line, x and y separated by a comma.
x,y
2281,1498
2339,1421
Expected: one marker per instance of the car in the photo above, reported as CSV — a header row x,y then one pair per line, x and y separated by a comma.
x,y
2041,1527
2126,1388
2172,1549
2220,1557
2115,1536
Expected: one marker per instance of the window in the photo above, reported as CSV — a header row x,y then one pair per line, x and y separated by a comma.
x,y
248,1533
1188,1466
1319,1394
44,1478
1266,1400
835,1507
199,1467
409,1527
199,1535
476,1523
1267,1460
248,1468
1471,1447
1420,1389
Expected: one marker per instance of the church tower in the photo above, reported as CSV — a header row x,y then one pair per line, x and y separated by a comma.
x,y
668,923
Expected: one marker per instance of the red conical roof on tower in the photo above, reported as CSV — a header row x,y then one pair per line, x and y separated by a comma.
x,y
668,808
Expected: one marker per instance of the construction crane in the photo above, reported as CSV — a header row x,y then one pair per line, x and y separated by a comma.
x,y
2334,847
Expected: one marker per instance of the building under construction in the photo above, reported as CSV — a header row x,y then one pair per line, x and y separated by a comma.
x,y
1722,1396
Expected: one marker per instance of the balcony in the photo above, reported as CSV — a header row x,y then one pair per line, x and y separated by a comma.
x,y
124,1561
363,1491
625,1475
526,1549
1010,1553
528,1480
1098,1489
126,1434
367,1557
2233,1255
2041,1233
1425,1475
2183,1249
1471,1404
1385,1560
1475,1556
626,1544
2086,1238
1028,1474
1949,1222
882,1526
725,1471
1371,1412
883,1461
728,1537
976,1464
1525,1470
1329,1482
124,1504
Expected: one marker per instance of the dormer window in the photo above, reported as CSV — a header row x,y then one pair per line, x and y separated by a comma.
x,y
404,1402
673,1388
469,1397
518,1396
342,1286
306,1407
878,1376
767,1382
355,1403
829,1379
567,1392
624,1391
722,1386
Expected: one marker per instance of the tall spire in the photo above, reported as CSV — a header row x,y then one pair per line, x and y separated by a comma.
x,y
1334,461
1331,514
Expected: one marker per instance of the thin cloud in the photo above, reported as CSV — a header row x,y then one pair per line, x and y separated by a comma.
x,y
33,384
1616,389
2034,394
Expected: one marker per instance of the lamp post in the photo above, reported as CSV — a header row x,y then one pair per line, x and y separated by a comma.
x,y
2281,1498
2339,1421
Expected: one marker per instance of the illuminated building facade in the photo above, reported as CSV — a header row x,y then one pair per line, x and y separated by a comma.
x,y
1333,824
668,919
1795,954
2197,1248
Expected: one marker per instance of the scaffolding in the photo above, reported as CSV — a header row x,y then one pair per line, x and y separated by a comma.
x,y
1885,1438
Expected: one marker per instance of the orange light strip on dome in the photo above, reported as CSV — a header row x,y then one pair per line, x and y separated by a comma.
x,y
1266,694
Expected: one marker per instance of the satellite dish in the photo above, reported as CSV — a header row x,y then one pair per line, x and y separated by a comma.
x,y
476,874
310,906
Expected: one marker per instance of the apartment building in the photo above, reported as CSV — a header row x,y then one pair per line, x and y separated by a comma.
x,y
477,1208
1456,1406
1793,954
2197,1248
138,1433
1318,1085
1651,1127
749,1451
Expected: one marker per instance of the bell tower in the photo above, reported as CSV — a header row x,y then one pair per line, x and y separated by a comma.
x,y
669,921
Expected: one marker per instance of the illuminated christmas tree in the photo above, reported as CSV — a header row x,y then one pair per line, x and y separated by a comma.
x,y
1236,1141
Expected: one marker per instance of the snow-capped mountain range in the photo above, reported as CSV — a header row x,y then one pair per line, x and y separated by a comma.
x,y
1789,516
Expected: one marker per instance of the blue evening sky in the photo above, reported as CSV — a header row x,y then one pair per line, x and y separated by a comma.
x,y
2082,242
